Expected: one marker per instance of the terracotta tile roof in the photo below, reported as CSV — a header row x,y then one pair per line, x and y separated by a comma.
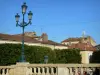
x,y
28,36
72,39
53,43
83,46
77,39
18,38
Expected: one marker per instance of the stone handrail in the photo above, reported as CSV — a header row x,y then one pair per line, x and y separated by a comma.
x,y
65,65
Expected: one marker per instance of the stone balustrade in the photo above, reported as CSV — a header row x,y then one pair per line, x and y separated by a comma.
x,y
62,69
5,70
49,69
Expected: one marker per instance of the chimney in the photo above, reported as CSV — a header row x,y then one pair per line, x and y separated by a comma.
x,y
44,37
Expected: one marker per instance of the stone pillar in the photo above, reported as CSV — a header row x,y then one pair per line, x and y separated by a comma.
x,y
70,70
11,71
63,71
21,68
30,71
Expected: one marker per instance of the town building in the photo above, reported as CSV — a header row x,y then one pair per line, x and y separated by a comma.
x,y
86,51
31,38
85,43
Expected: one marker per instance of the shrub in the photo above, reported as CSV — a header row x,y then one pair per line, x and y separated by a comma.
x,y
11,53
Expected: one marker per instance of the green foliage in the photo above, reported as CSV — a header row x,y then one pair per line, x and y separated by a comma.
x,y
35,54
68,56
10,54
95,57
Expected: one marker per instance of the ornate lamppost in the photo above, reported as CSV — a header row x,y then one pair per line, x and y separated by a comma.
x,y
23,24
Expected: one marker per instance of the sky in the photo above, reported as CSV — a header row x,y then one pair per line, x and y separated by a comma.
x,y
60,19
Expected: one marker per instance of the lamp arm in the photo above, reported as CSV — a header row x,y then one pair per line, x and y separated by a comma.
x,y
17,24
28,23
20,25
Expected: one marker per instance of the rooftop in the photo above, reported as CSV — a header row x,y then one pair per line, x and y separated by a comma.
x,y
77,39
28,39
83,46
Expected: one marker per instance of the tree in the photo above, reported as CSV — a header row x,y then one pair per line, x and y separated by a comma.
x,y
95,57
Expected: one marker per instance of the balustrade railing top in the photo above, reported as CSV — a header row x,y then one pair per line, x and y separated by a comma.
x,y
63,65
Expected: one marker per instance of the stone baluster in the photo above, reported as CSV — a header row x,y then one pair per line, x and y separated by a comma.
x,y
43,72
93,70
7,73
70,71
76,71
34,71
39,73
91,73
82,71
52,71
47,71
3,71
87,70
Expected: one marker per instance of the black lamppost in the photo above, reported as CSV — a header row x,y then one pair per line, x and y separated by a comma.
x,y
23,24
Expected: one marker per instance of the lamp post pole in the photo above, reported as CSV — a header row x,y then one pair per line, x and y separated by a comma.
x,y
23,24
